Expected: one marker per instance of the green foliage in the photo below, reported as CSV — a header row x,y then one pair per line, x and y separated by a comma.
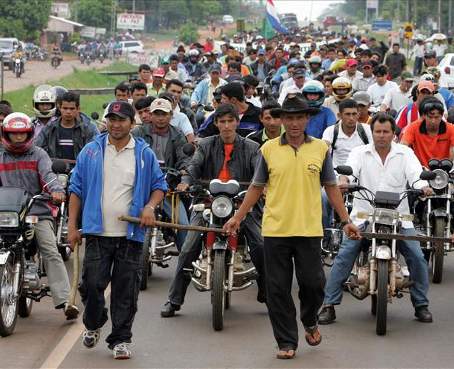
x,y
173,13
24,19
93,13
188,33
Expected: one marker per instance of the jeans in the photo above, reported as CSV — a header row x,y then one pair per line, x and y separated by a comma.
x,y
417,68
118,261
192,247
327,211
281,253
53,263
182,219
350,249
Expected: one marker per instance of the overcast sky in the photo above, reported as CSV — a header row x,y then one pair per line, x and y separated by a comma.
x,y
303,8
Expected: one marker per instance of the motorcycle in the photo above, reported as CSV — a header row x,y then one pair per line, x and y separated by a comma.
x,y
378,271
21,265
102,56
224,264
55,62
436,217
82,57
17,67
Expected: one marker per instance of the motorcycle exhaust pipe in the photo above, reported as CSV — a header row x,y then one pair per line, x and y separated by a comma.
x,y
392,277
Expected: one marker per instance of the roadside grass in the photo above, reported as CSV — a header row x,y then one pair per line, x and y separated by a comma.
x,y
21,100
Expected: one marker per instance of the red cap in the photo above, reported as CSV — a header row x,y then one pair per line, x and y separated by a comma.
x,y
351,62
159,72
426,85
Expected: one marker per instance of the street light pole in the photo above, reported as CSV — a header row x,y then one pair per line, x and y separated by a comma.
x,y
439,16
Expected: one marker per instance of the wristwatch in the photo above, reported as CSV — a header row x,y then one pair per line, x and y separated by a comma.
x,y
344,223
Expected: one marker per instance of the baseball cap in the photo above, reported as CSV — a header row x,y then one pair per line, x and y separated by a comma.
x,y
261,52
351,62
426,85
406,76
215,68
161,104
159,72
122,109
362,98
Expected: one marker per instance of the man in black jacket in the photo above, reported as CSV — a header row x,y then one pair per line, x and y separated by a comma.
x,y
224,156
272,125
260,68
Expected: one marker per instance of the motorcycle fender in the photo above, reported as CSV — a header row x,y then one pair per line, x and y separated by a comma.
x,y
4,257
383,253
220,245
438,213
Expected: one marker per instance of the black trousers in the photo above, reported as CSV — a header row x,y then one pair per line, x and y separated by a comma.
x,y
281,253
118,261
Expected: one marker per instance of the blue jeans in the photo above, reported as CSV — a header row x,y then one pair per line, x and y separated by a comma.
x,y
411,251
327,211
182,219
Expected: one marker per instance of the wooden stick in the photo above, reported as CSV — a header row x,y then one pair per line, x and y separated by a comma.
x,y
126,218
392,236
75,281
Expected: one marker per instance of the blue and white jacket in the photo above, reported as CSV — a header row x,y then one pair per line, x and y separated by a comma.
x,y
87,184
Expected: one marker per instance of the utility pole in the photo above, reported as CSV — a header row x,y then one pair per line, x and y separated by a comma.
x,y
439,16
450,16
407,15
366,12
133,6
415,6
398,11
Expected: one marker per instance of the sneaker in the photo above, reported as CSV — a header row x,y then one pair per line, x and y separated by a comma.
x,y
71,311
121,351
91,338
168,310
327,315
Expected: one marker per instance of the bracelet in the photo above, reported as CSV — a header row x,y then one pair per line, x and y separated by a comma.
x,y
151,207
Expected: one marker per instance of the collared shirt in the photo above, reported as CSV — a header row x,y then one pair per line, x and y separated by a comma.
x,y
362,83
345,74
396,99
377,93
401,167
344,144
427,146
293,178
118,184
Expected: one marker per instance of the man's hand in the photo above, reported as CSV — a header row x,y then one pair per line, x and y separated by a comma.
x,y
343,184
428,191
232,226
58,197
182,187
74,236
352,231
147,218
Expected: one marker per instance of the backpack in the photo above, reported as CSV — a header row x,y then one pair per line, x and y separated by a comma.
x,y
361,132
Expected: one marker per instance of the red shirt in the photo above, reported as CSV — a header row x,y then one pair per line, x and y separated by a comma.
x,y
224,174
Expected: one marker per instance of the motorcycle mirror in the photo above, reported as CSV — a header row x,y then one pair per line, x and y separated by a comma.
x,y
446,165
344,170
105,105
188,149
59,166
427,175
94,115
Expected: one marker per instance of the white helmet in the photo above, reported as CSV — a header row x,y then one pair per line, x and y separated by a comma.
x,y
193,52
44,95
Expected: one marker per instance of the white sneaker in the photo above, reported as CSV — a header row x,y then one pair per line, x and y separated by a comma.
x,y
91,338
121,351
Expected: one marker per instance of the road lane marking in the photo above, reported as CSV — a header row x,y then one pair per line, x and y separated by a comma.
x,y
65,345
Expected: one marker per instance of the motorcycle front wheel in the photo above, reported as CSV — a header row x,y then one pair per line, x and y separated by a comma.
x,y
8,303
382,296
438,251
218,292
146,266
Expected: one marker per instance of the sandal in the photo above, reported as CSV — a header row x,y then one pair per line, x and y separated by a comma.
x,y
313,336
286,353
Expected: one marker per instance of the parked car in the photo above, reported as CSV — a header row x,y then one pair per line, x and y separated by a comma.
x,y
227,19
7,46
446,67
133,46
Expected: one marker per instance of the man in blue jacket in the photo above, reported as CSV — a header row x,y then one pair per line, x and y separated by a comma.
x,y
115,174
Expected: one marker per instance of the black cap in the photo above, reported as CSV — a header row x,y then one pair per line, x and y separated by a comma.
x,y
122,109
294,104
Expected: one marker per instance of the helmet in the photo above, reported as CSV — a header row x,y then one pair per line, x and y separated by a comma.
x,y
193,52
315,60
428,77
342,83
314,87
435,71
44,94
17,123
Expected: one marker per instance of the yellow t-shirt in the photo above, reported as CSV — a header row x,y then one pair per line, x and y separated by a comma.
x,y
294,178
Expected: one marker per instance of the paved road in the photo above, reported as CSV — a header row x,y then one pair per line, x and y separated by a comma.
x,y
188,340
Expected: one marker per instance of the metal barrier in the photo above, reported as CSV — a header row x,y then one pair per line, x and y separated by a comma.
x,y
94,91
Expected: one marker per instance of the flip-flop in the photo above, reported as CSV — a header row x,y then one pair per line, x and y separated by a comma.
x,y
285,354
310,339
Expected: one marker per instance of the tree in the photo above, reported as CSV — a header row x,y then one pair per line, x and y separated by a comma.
x,y
93,13
24,19
174,13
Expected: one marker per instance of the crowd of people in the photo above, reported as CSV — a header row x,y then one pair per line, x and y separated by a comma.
x,y
275,115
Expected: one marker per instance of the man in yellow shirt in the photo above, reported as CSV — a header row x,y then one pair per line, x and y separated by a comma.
x,y
293,167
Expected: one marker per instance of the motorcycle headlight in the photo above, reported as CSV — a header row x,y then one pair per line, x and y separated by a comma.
x,y
222,207
63,180
440,181
386,216
9,220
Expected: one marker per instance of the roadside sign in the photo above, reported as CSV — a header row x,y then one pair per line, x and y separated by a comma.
x,y
131,21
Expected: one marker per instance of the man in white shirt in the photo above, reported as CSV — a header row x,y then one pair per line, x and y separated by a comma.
x,y
379,89
351,72
418,52
381,166
179,120
397,98
298,77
